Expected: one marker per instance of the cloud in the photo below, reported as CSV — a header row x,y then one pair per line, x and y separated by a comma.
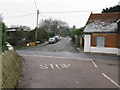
x,y
119,3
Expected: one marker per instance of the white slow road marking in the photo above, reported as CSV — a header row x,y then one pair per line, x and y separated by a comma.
x,y
94,63
111,80
58,57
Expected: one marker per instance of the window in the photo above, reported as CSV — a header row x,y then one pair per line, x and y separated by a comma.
x,y
100,41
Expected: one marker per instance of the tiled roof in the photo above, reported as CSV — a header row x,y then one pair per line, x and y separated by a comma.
x,y
104,17
103,22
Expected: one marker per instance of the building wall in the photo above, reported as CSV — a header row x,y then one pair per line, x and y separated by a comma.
x,y
118,41
111,40
104,50
87,43
112,43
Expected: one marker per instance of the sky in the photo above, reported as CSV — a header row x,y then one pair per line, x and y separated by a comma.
x,y
23,12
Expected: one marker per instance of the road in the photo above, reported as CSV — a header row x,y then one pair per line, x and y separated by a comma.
x,y
60,65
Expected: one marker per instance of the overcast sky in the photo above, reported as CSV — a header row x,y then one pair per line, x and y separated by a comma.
x,y
23,12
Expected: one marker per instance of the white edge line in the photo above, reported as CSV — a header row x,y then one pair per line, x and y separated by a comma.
x,y
94,63
111,80
58,57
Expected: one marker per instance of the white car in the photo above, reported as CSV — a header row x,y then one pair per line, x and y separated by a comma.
x,y
57,38
52,40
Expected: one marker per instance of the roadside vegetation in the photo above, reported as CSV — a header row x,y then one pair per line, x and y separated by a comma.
x,y
2,37
47,28
77,36
112,9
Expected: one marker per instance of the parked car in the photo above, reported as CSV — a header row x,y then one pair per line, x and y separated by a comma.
x,y
31,44
57,38
37,42
52,40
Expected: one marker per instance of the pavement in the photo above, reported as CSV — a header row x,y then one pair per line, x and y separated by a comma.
x,y
60,65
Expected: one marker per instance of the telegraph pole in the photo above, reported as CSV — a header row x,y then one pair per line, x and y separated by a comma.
x,y
36,26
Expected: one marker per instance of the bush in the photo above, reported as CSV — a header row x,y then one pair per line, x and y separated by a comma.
x,y
0,37
3,36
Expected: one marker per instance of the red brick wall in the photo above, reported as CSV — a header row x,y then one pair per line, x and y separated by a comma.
x,y
111,40
118,41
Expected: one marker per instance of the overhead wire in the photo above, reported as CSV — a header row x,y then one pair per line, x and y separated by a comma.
x,y
20,16
68,11
47,13
35,5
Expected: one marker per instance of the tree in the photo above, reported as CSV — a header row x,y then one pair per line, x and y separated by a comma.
x,y
3,36
112,9
0,37
76,34
54,27
42,35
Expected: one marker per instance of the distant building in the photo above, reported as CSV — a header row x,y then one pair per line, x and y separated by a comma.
x,y
14,29
102,33
20,27
73,28
17,35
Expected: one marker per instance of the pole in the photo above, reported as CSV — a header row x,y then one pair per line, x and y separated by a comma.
x,y
36,26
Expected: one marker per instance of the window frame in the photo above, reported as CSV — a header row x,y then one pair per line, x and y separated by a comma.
x,y
100,41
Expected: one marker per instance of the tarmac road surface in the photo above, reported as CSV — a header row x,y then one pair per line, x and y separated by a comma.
x,y
60,65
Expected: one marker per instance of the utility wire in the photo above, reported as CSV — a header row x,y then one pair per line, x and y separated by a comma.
x,y
20,15
35,5
23,14
47,13
68,11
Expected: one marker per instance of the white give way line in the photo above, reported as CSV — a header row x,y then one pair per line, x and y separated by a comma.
x,y
45,66
106,75
94,63
57,57
111,80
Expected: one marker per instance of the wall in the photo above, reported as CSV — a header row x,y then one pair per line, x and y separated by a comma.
x,y
87,43
118,40
111,44
11,69
111,40
118,53
104,50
